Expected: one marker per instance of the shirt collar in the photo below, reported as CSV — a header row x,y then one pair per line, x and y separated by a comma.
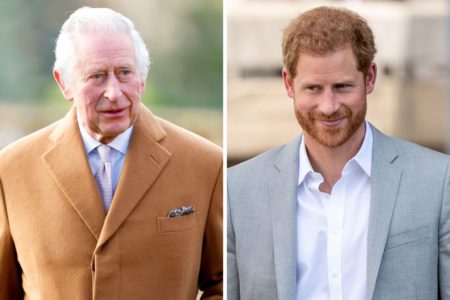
x,y
304,164
363,157
120,143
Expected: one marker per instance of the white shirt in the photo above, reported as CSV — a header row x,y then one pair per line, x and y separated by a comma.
x,y
332,229
119,148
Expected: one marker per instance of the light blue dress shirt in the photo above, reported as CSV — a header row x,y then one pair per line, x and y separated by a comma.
x,y
118,152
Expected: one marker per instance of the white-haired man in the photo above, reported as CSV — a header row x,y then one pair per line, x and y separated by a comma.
x,y
110,202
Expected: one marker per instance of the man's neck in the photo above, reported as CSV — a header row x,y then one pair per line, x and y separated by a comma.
x,y
330,162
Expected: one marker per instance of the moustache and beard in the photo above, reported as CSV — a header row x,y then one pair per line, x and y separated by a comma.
x,y
331,137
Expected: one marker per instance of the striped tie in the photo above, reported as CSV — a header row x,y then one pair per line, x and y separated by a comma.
x,y
104,175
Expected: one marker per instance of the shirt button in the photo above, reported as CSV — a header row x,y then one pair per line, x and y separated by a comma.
x,y
334,274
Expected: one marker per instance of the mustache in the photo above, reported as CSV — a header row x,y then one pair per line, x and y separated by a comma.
x,y
341,113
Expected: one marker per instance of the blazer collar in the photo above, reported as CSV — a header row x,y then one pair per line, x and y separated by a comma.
x,y
67,162
282,188
386,176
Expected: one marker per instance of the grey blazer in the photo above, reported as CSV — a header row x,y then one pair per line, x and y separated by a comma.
x,y
409,227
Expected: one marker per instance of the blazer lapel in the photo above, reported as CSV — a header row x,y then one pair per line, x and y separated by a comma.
x,y
68,165
385,182
144,161
283,204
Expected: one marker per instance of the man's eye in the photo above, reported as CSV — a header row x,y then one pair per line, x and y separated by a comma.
x,y
343,86
312,88
97,77
124,73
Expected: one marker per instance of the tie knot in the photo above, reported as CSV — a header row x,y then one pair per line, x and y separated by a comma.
x,y
104,151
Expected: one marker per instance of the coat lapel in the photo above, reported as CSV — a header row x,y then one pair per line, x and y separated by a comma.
x,y
144,161
283,204
68,165
384,188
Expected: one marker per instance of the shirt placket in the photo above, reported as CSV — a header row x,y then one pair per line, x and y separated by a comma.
x,y
335,207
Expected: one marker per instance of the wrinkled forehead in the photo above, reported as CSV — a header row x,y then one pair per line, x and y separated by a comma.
x,y
106,37
104,45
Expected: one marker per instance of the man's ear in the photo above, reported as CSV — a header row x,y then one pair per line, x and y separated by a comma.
x,y
141,87
288,83
67,93
371,78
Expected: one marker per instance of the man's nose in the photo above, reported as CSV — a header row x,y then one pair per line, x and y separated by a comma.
x,y
328,102
113,89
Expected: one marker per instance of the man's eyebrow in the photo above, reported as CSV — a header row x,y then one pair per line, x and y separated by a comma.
x,y
309,83
341,82
100,68
93,69
125,65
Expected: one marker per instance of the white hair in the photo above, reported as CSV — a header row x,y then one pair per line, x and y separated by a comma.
x,y
86,20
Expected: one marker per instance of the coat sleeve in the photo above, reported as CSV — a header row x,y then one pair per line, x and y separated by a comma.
x,y
10,282
211,270
444,242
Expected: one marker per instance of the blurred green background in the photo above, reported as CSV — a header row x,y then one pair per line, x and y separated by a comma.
x,y
184,39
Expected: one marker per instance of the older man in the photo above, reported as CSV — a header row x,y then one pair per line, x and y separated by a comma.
x,y
343,211
110,202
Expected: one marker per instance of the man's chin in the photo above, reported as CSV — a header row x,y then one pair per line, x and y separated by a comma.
x,y
330,138
114,131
